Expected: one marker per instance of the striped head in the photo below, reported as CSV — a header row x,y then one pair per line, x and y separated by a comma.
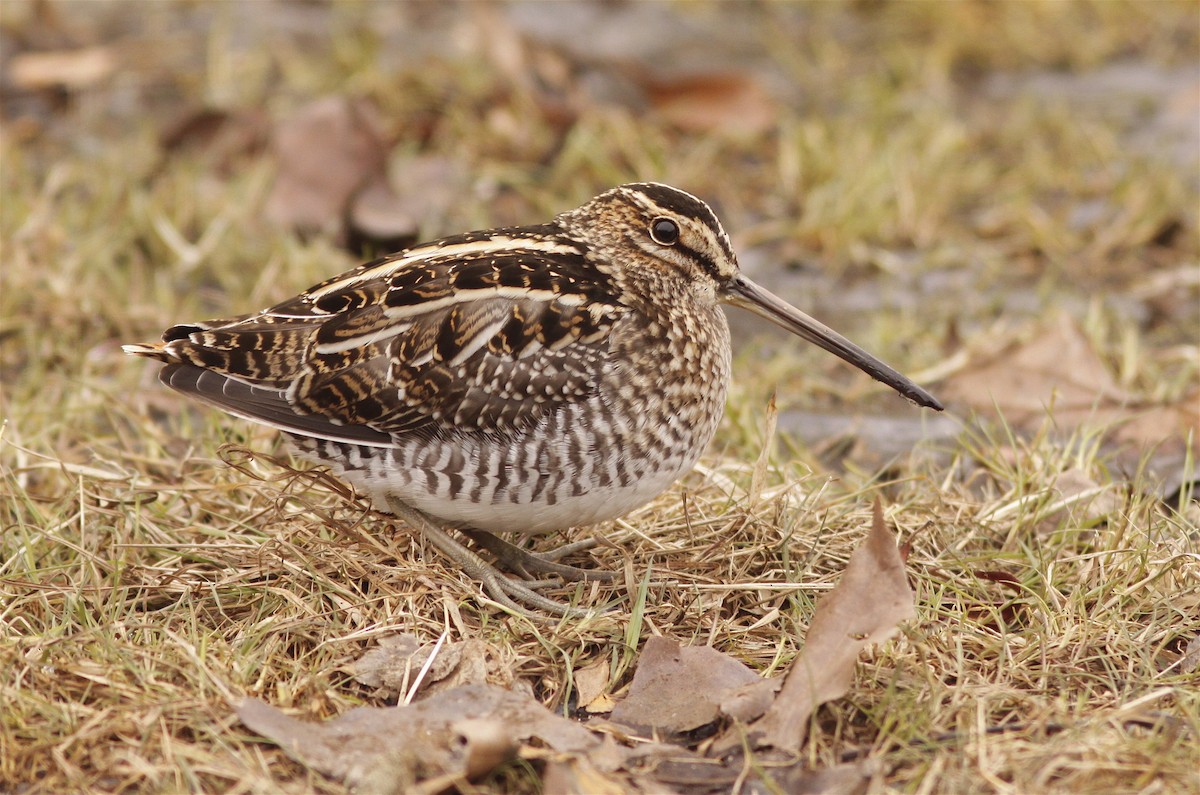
x,y
645,224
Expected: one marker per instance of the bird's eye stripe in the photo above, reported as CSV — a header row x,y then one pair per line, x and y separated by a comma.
x,y
660,199
703,260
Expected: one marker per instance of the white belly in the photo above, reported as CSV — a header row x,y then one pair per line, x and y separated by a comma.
x,y
597,505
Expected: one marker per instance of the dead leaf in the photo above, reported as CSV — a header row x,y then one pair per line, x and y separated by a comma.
x,y
1191,658
70,69
865,607
851,778
464,731
1056,368
489,743
377,221
574,775
1057,373
677,689
600,705
393,665
388,214
591,681
1163,428
733,102
663,768
390,664
1002,577
225,136
1080,500
326,152
749,702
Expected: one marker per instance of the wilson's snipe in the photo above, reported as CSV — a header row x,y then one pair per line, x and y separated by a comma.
x,y
513,380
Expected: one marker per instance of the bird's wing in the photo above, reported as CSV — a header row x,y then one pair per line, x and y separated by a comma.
x,y
484,332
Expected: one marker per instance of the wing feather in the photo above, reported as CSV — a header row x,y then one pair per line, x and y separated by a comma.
x,y
483,331
262,404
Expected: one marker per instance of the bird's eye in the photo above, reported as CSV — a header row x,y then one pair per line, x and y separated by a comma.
x,y
664,231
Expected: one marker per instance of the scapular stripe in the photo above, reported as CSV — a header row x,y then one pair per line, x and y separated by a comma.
x,y
497,243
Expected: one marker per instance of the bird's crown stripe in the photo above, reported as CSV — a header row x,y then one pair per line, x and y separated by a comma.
x,y
647,195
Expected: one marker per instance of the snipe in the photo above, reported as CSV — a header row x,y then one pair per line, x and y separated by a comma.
x,y
515,380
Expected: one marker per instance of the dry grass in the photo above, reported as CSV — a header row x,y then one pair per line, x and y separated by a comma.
x,y
152,567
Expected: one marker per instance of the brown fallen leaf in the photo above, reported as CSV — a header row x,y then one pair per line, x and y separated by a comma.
x,y
1163,428
1008,609
734,102
591,682
1190,662
1003,577
70,69
677,689
394,664
463,732
1080,500
328,150
1057,373
1056,368
387,214
663,767
574,775
870,600
750,701
600,705
224,136
390,664
376,220
851,778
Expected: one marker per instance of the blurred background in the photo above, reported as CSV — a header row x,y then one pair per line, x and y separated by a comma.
x,y
940,181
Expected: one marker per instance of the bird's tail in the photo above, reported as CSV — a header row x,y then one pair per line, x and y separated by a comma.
x,y
152,350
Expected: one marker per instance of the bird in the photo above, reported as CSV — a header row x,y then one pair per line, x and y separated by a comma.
x,y
509,381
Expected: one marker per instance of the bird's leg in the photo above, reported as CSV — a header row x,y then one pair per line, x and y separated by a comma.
x,y
522,561
499,587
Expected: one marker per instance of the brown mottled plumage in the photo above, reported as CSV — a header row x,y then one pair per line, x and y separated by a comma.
x,y
512,380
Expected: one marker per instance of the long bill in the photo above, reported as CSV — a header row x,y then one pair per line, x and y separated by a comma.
x,y
748,295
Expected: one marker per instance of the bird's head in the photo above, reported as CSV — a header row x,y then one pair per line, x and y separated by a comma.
x,y
649,224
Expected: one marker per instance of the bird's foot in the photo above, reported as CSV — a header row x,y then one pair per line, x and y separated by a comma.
x,y
503,590
526,563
